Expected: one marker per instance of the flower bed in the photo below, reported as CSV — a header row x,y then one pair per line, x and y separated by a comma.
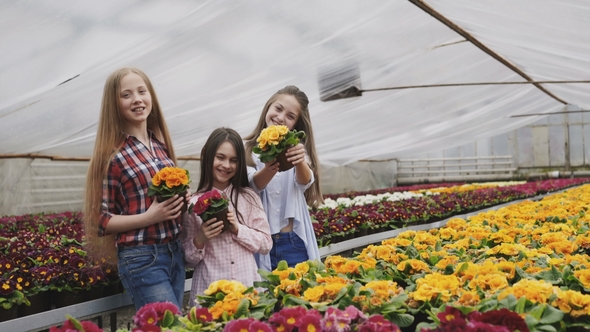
x,y
343,222
43,254
523,267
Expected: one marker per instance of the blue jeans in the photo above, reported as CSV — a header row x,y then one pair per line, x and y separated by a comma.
x,y
288,247
153,273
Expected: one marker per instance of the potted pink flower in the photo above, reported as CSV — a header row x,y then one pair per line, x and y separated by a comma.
x,y
213,204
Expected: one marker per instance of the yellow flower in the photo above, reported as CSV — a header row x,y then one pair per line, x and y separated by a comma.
x,y
469,298
314,294
534,290
435,284
573,302
302,268
156,181
415,266
584,277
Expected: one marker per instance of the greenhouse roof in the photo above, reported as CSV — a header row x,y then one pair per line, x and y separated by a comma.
x,y
426,74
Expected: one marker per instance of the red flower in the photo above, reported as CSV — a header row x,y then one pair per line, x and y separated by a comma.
x,y
209,201
203,315
450,314
502,317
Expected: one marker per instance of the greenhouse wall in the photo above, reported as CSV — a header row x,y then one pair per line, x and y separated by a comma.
x,y
559,142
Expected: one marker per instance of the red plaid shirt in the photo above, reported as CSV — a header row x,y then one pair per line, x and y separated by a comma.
x,y
125,191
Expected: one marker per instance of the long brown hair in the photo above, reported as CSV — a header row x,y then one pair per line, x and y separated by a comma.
x,y
240,180
313,195
110,137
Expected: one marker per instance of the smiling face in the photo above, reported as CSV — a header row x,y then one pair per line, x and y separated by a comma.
x,y
285,111
225,165
135,101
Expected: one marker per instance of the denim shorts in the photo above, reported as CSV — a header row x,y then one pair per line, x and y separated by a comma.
x,y
153,273
288,247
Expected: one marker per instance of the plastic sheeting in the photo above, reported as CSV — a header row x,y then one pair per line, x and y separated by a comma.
x,y
215,63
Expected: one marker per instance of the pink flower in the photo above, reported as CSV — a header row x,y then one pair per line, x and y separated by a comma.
x,y
146,316
378,323
309,323
238,325
291,315
334,323
153,313
280,323
258,326
147,328
69,326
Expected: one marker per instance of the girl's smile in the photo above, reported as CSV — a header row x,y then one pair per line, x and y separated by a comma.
x,y
224,165
284,111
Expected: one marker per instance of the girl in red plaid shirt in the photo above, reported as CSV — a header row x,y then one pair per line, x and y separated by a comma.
x,y
123,224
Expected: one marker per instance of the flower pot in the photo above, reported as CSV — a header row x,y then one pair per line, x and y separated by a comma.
x,y
184,204
222,215
93,293
40,302
113,288
8,314
67,298
284,165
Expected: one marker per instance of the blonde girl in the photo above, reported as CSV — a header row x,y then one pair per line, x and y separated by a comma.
x,y
286,195
121,220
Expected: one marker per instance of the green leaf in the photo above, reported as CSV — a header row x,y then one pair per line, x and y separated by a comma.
x,y
551,315
168,319
552,276
75,322
520,305
294,300
401,320
537,311
242,310
545,328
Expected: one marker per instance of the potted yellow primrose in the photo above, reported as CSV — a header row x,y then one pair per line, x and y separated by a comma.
x,y
170,181
273,143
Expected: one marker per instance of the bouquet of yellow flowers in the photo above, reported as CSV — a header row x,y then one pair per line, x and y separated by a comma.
x,y
169,181
274,141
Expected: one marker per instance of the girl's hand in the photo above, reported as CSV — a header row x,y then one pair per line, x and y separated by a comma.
x,y
296,154
209,229
166,210
234,228
272,166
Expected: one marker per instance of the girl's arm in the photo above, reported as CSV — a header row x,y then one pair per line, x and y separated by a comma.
x,y
157,212
111,219
264,175
255,234
190,227
296,155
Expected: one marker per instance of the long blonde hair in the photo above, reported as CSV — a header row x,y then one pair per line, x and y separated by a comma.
x,y
109,139
313,195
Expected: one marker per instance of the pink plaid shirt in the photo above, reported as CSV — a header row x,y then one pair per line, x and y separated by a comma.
x,y
228,256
